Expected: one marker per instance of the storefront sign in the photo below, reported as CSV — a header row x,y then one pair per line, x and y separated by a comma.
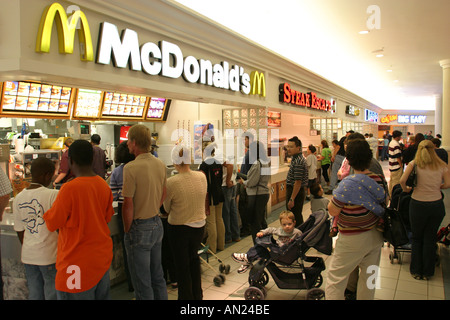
x,y
411,119
352,110
309,100
66,32
404,119
165,58
371,116
389,118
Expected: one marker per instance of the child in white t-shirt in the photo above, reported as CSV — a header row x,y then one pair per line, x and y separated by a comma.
x,y
38,243
311,163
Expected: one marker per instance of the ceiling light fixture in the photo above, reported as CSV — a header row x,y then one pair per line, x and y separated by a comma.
x,y
379,53
364,32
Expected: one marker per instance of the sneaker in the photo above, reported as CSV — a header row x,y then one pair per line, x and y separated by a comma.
x,y
240,257
244,268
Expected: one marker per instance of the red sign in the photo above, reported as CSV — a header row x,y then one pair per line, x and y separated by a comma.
x,y
124,133
309,100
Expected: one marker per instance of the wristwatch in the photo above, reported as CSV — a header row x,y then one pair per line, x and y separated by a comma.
x,y
291,199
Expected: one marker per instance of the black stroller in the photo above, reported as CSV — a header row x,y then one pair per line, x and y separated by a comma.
x,y
282,262
400,201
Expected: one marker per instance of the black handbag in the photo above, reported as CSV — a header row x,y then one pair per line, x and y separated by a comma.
x,y
394,229
412,178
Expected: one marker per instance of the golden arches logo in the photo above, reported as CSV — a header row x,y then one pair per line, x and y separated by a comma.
x,y
258,83
66,32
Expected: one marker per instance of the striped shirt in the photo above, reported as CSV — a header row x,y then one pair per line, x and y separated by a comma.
x,y
354,219
395,153
298,170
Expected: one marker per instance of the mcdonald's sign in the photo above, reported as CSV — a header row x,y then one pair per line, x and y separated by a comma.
x,y
165,58
66,31
258,83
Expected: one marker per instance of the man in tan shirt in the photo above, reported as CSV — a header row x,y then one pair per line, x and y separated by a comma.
x,y
144,189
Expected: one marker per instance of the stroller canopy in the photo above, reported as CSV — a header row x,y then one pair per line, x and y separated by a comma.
x,y
315,232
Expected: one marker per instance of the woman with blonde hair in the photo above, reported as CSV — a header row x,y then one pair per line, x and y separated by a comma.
x,y
426,209
185,206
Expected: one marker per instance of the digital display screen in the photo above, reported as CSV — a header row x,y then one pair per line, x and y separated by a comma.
x,y
88,103
21,96
157,109
123,105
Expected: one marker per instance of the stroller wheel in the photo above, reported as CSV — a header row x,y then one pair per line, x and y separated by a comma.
x,y
224,268
219,280
254,293
315,294
262,281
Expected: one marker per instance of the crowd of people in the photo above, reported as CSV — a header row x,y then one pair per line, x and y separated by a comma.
x,y
164,220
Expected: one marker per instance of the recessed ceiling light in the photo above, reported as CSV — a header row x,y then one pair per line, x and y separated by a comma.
x,y
380,55
364,32
389,70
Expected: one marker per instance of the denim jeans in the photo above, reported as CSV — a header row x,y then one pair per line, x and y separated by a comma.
x,y
334,170
425,219
99,292
230,214
143,244
41,281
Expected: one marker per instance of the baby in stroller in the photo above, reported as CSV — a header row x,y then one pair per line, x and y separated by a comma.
x,y
286,233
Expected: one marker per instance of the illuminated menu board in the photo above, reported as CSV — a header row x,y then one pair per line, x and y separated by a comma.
x,y
158,109
123,105
87,104
34,98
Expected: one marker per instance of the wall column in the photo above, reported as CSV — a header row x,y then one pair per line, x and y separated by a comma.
x,y
438,115
445,64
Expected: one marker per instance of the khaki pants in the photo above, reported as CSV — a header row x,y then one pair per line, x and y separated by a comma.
x,y
394,179
361,250
215,228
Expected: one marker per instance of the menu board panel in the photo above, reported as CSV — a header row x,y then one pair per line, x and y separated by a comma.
x,y
122,105
88,104
35,98
158,109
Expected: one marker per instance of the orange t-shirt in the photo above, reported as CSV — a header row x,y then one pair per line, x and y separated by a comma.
x,y
81,213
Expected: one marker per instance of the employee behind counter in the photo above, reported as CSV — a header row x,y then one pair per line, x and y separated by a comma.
x,y
99,163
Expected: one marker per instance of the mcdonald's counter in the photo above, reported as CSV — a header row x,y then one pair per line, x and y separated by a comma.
x,y
13,271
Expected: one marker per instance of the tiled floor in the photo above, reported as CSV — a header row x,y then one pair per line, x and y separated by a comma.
x,y
396,282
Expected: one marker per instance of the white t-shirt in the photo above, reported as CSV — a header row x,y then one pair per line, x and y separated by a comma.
x,y
39,244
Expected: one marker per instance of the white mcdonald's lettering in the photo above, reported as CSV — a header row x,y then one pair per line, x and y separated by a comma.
x,y
167,59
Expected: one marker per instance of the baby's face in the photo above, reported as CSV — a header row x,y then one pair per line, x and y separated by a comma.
x,y
288,225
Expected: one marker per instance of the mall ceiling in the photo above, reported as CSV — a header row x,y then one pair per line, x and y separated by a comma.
x,y
323,36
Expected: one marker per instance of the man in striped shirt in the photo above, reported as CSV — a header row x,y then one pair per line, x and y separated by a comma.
x,y
395,160
297,180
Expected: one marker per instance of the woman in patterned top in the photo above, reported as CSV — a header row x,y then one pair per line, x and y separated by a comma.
x,y
357,201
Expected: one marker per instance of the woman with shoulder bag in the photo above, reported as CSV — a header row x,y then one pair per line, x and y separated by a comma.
x,y
426,208
257,187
